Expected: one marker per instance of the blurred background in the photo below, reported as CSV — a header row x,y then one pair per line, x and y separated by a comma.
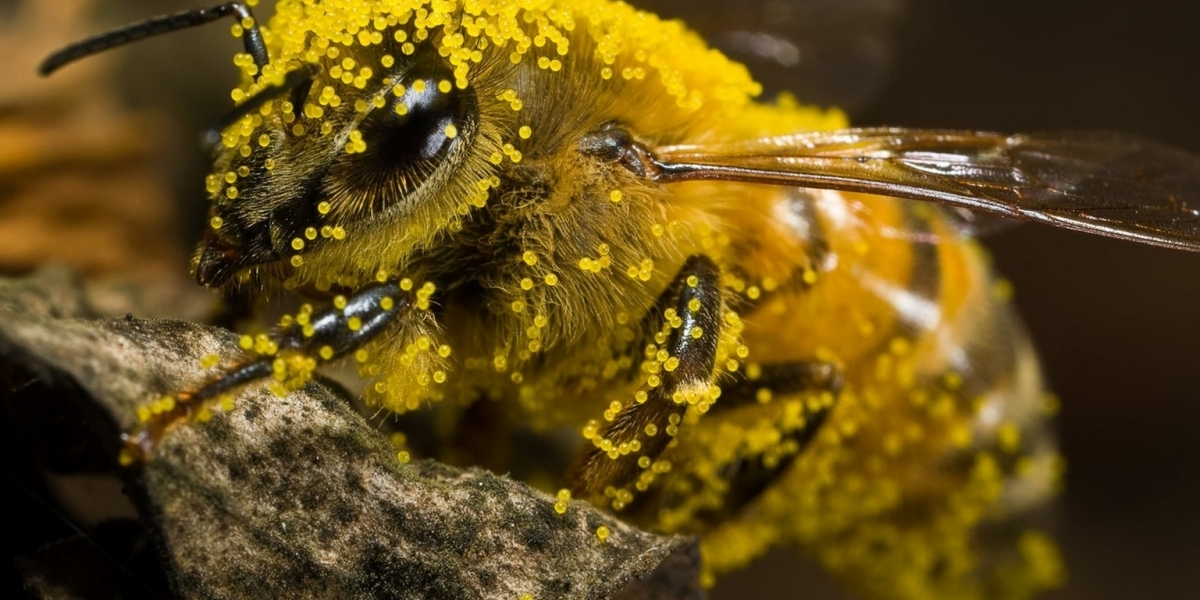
x,y
1117,324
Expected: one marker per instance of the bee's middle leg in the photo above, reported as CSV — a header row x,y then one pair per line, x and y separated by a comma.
x,y
746,478
646,427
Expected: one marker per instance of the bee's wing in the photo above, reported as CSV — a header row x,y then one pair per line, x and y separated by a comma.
x,y
829,52
1102,183
969,223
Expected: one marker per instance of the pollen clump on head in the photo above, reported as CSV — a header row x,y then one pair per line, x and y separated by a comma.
x,y
634,44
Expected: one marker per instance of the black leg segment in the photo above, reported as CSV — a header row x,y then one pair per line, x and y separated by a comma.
x,y
321,336
743,480
749,477
780,379
688,370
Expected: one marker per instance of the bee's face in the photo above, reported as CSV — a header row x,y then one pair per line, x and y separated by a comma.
x,y
320,165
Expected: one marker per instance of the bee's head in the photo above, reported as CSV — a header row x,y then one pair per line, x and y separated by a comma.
x,y
301,165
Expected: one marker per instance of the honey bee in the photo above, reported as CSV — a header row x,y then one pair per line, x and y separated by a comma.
x,y
767,325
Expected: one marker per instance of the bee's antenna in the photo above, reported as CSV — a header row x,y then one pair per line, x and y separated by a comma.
x,y
297,81
252,36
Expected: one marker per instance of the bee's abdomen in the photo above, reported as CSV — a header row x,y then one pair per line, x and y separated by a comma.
x,y
937,444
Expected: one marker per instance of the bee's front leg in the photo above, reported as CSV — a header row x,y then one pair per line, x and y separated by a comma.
x,y
288,357
651,421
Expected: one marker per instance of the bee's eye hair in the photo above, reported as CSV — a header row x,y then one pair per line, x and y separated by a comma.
x,y
407,139
141,30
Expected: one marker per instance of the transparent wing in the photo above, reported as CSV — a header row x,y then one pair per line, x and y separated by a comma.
x,y
969,223
828,52
1101,183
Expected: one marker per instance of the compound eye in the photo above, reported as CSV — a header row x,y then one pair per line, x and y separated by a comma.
x,y
418,127
423,122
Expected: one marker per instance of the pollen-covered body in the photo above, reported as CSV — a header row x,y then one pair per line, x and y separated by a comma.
x,y
555,277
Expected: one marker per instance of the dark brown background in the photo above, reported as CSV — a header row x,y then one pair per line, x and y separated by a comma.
x,y
1118,325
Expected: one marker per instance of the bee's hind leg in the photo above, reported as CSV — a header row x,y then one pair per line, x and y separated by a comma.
x,y
314,338
814,383
637,435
